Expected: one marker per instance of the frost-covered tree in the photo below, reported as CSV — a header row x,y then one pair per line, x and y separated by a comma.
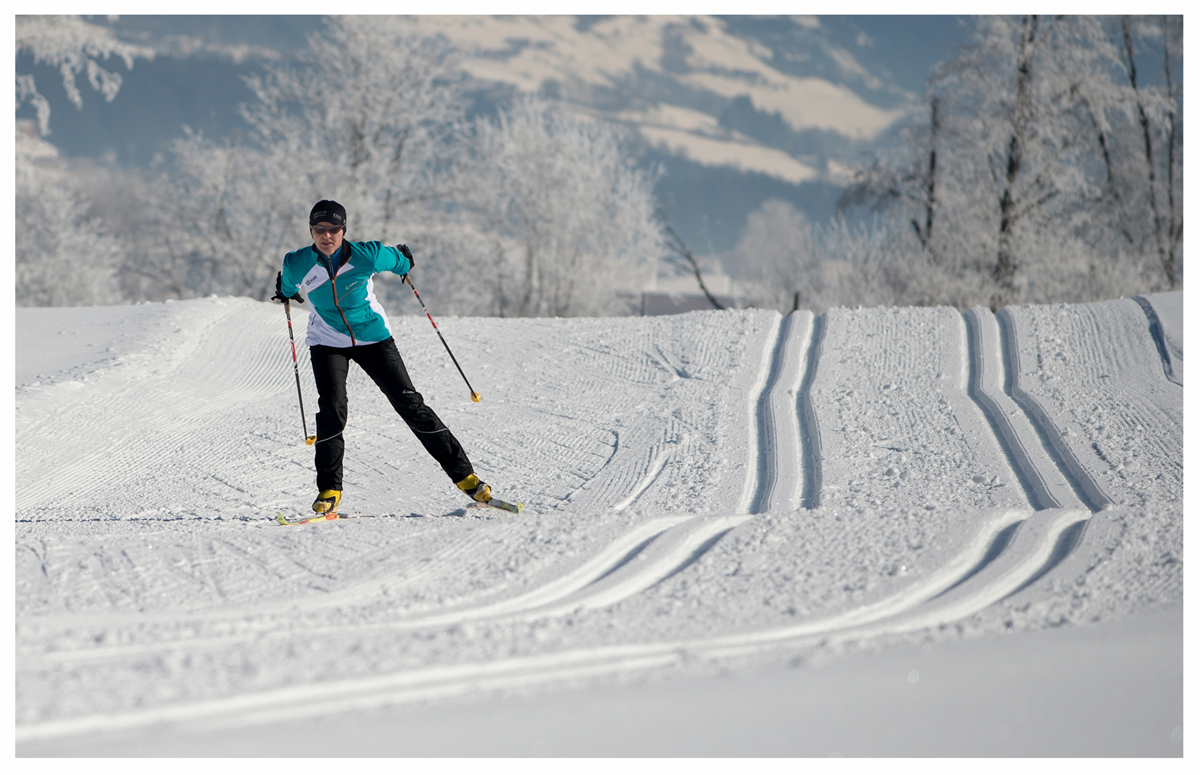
x,y
777,257
214,223
908,179
537,213
1036,140
1019,97
781,255
1172,29
569,219
73,45
373,109
63,256
1159,112
368,116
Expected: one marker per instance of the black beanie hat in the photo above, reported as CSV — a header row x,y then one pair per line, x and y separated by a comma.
x,y
328,211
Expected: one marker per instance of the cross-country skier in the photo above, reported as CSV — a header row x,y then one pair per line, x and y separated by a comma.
x,y
345,324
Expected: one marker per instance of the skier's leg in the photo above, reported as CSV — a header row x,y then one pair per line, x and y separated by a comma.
x,y
383,364
330,366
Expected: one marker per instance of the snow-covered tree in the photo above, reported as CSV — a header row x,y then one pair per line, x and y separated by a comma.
x,y
776,258
372,110
73,45
537,213
1172,34
1159,110
781,254
1019,98
63,256
570,220
368,116
1037,138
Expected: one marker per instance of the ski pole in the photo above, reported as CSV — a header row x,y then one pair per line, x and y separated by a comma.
x,y
287,309
474,396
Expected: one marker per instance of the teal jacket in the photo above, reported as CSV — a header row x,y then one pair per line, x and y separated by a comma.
x,y
341,293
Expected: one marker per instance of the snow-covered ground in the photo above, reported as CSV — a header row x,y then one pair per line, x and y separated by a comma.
x,y
877,531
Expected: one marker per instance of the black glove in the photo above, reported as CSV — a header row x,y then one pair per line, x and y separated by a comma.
x,y
279,297
404,251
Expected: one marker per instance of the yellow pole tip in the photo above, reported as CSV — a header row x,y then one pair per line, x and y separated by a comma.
x,y
475,396
310,440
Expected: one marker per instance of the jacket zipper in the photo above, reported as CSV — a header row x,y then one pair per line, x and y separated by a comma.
x,y
333,281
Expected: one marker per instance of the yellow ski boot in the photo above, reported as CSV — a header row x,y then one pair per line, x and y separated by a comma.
x,y
475,488
327,501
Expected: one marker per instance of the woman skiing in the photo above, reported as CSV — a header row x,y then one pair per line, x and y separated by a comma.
x,y
346,323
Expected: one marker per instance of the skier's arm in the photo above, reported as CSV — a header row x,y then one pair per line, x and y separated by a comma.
x,y
286,289
397,259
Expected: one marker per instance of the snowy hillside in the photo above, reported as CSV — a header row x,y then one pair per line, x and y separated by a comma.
x,y
846,526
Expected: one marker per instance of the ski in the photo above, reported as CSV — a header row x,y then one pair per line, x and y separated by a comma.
x,y
309,520
496,503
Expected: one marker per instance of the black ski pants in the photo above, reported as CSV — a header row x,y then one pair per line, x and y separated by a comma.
x,y
383,364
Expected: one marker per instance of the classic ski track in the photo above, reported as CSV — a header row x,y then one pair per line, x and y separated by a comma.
x,y
887,412
809,491
786,374
624,568
1160,340
1094,375
760,471
671,551
780,463
1085,487
1039,475
1028,555
957,590
757,409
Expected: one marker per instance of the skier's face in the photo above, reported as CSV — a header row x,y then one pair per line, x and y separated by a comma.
x,y
327,237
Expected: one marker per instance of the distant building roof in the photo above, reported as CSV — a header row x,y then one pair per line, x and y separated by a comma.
x,y
663,303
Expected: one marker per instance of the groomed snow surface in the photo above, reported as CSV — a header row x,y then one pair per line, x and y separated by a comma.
x,y
873,532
